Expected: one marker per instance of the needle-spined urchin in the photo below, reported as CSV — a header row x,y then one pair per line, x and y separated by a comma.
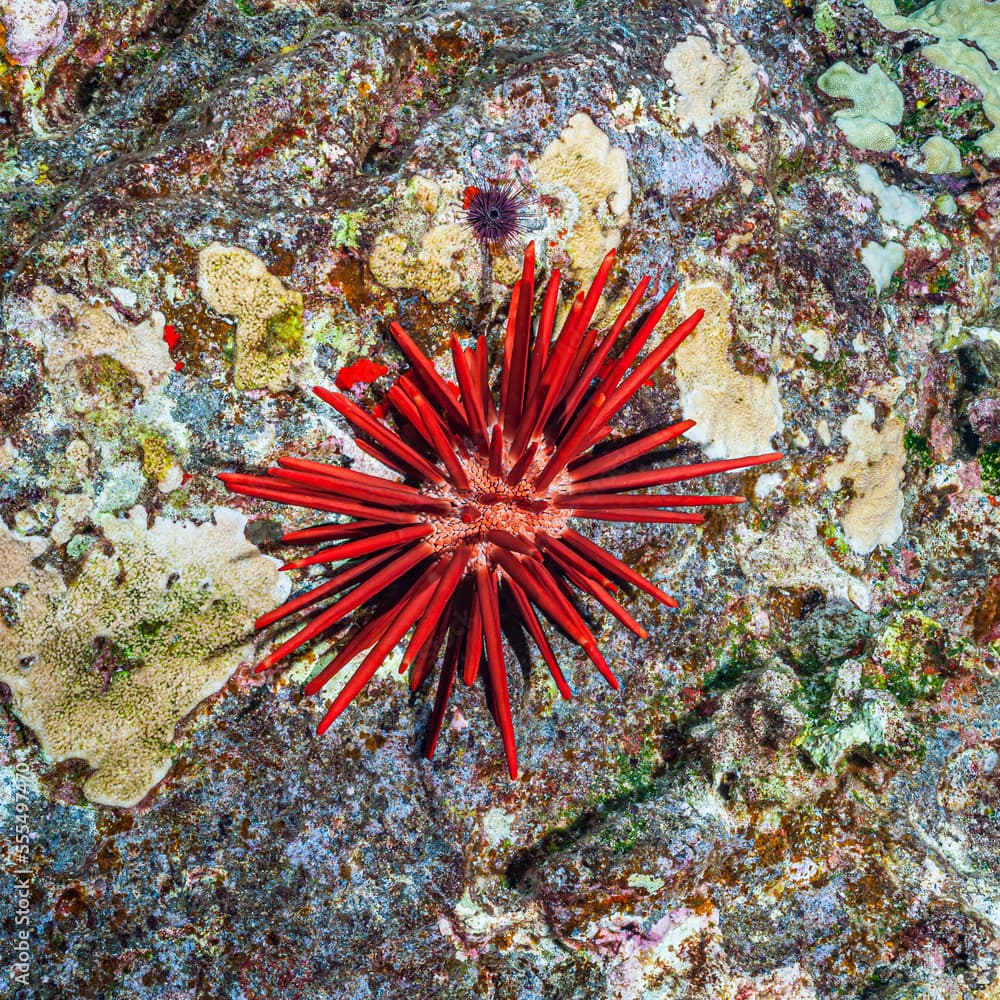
x,y
496,213
492,478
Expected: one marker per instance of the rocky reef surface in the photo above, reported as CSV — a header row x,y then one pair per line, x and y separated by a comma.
x,y
209,206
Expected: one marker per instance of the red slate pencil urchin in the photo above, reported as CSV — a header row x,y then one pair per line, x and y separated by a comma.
x,y
483,515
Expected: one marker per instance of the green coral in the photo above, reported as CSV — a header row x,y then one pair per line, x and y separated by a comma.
x,y
106,377
121,488
868,729
989,468
825,20
918,449
848,714
79,545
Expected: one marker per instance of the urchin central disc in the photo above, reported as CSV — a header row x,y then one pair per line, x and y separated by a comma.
x,y
492,504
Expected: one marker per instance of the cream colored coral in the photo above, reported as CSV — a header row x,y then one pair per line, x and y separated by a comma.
x,y
591,177
426,193
71,509
940,156
78,457
874,464
447,254
736,414
174,604
968,33
896,206
882,262
235,282
8,454
878,105
68,329
712,88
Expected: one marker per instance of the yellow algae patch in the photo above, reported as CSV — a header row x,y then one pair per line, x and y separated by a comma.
x,y
712,88
735,414
104,669
874,465
67,329
586,171
235,282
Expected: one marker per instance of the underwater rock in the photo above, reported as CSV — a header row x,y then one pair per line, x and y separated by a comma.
x,y
209,207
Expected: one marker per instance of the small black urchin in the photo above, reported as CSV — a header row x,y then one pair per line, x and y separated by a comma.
x,y
495,212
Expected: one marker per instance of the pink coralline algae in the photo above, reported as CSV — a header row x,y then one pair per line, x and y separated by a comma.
x,y
32,27
493,478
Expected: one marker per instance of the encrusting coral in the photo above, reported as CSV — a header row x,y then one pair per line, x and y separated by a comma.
x,y
878,105
585,170
105,667
483,516
734,412
234,282
69,329
713,88
874,464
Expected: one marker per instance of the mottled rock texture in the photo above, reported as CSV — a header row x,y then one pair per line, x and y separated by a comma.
x,y
208,206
